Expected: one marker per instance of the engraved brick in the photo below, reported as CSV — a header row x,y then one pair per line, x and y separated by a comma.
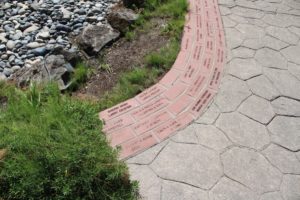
x,y
120,122
170,78
137,144
190,72
201,102
149,108
118,109
120,136
181,104
177,89
151,122
167,129
216,77
181,60
197,85
187,42
184,119
150,93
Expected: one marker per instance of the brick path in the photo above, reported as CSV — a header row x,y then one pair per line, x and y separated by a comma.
x,y
246,145
182,95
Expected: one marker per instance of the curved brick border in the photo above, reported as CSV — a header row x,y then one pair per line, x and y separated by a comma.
x,y
182,95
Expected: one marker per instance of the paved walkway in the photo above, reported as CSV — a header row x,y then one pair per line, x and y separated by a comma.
x,y
247,144
182,95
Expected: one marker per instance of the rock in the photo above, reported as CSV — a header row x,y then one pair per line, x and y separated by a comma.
x,y
94,37
133,3
2,77
53,68
10,44
121,18
33,45
31,29
7,71
40,51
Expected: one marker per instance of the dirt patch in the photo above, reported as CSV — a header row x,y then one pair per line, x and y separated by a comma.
x,y
122,56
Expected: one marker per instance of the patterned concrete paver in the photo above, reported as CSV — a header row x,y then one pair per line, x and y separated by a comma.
x,y
246,145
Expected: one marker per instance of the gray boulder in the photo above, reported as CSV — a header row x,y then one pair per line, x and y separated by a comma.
x,y
52,68
120,18
94,37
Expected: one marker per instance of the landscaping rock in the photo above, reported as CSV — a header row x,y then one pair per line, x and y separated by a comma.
x,y
3,152
121,18
94,37
53,68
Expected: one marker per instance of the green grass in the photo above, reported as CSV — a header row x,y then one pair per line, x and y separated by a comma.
x,y
56,149
139,78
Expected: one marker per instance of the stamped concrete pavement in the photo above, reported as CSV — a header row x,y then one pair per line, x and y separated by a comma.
x,y
246,146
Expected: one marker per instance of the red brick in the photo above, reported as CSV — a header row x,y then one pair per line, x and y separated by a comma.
x,y
177,89
137,144
201,102
181,104
167,129
170,77
120,122
118,109
149,108
120,136
151,122
150,93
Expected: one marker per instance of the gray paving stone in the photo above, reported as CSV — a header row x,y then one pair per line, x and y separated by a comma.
x,y
290,187
243,52
286,161
188,163
246,12
243,131
258,109
271,196
295,30
285,132
261,86
186,135
228,23
178,191
210,115
271,58
273,43
147,156
292,53
231,94
228,3
250,31
255,43
238,19
150,184
294,69
251,169
224,10
279,20
282,34
227,189
233,42
244,68
212,137
286,106
286,84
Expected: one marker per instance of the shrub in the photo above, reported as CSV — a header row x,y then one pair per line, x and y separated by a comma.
x,y
55,149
